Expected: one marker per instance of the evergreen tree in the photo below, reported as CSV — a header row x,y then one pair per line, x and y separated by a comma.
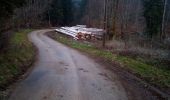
x,y
60,12
55,13
6,9
83,6
67,11
153,14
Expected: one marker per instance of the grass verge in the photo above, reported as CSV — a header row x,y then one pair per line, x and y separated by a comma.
x,y
153,75
16,59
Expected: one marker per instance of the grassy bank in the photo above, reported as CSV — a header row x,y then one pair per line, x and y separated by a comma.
x,y
151,74
16,59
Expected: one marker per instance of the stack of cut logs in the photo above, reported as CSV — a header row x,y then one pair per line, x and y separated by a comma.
x,y
80,32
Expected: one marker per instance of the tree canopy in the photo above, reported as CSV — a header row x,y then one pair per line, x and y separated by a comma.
x,y
153,14
60,12
7,7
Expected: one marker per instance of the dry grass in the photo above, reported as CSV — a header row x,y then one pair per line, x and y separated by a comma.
x,y
145,51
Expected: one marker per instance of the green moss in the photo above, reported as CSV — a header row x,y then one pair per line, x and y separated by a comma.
x,y
151,74
19,54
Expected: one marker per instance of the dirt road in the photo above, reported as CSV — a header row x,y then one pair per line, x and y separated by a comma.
x,y
62,73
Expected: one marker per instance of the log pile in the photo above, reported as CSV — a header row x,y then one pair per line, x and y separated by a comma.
x,y
80,32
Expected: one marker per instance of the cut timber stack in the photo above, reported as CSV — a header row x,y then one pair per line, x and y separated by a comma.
x,y
80,32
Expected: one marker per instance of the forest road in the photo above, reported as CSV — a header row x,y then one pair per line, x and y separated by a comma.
x,y
62,73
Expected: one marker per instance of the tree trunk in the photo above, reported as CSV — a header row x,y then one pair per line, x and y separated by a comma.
x,y
162,37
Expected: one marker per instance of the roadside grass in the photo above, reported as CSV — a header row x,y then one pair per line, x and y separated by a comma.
x,y
16,59
154,75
